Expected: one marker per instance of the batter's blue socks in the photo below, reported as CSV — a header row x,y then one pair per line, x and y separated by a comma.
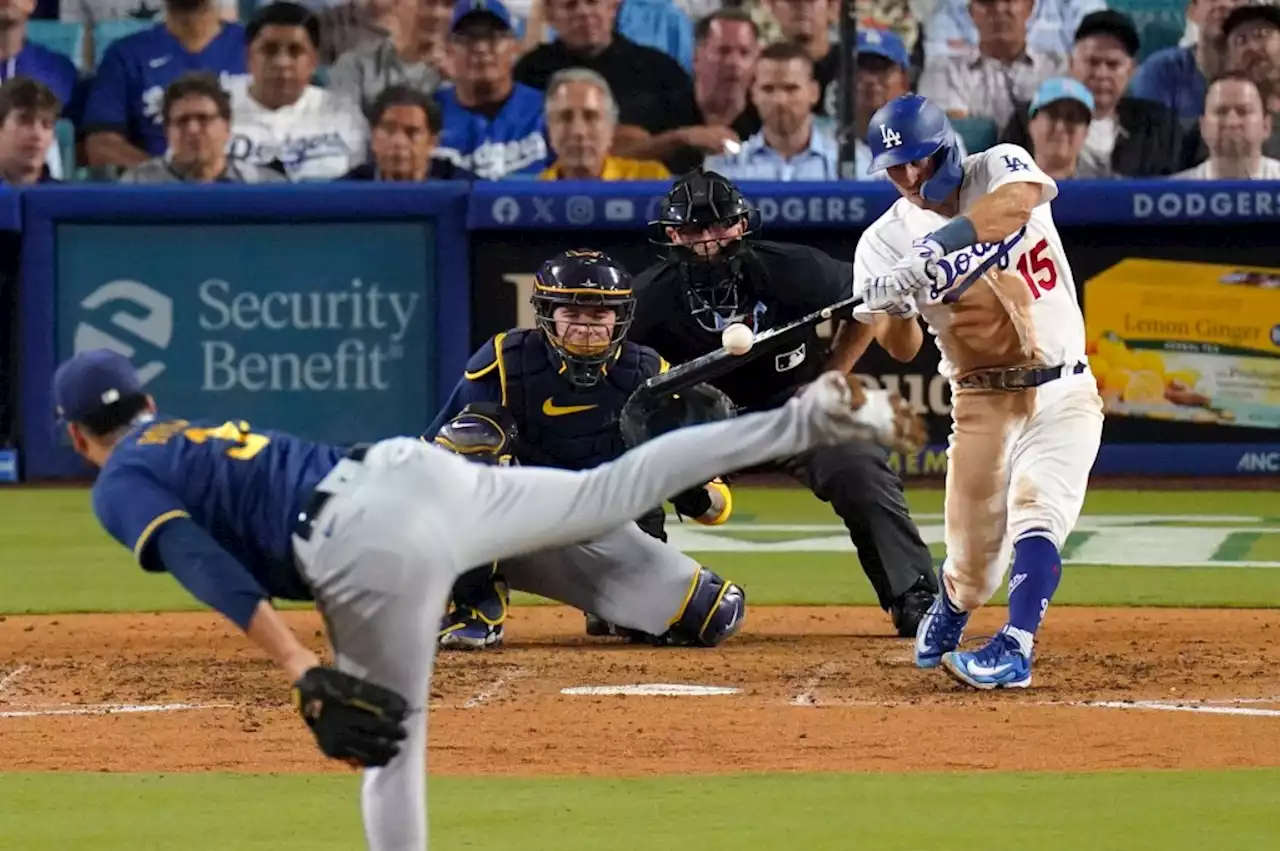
x,y
1037,570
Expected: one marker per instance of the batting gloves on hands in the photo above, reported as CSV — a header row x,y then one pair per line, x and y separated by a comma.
x,y
918,267
882,295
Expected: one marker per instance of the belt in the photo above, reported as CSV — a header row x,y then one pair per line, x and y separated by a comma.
x,y
1016,378
303,526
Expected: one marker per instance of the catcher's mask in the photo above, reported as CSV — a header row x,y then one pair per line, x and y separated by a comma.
x,y
482,431
645,416
584,305
706,223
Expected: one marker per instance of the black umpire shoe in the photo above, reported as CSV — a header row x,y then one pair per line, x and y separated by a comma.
x,y
908,609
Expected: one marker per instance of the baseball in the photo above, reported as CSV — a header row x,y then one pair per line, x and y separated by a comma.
x,y
737,339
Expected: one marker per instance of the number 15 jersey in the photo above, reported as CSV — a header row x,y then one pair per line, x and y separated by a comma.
x,y
1024,310
246,489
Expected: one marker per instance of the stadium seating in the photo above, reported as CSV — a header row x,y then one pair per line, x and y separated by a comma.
x,y
1160,23
977,132
65,38
107,32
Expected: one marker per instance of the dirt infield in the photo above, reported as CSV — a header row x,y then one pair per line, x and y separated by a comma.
x,y
809,689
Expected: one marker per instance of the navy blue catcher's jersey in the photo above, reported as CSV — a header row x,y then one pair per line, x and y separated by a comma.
x,y
560,425
245,488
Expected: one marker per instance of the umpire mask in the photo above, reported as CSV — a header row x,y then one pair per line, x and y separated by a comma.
x,y
705,224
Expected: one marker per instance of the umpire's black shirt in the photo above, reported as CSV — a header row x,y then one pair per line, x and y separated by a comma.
x,y
787,281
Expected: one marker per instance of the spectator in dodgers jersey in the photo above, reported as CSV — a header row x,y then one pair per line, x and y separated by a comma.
x,y
122,117
197,123
28,111
652,91
990,80
581,119
278,118
406,126
22,58
790,145
1234,127
1176,75
493,126
363,72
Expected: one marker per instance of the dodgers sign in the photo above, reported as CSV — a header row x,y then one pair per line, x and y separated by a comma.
x,y
318,329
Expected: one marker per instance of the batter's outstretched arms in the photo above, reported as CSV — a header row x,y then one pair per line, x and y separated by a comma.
x,y
533,508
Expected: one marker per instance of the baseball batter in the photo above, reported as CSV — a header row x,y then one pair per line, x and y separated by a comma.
x,y
972,247
376,536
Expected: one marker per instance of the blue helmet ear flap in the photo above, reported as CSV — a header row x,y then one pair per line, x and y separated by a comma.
x,y
948,172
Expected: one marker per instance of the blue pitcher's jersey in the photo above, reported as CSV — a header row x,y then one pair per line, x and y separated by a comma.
x,y
512,142
127,94
246,489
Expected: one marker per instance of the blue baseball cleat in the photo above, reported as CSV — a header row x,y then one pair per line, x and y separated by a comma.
x,y
940,631
1001,664
465,629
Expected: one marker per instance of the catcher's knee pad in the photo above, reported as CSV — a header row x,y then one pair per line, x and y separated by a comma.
x,y
714,612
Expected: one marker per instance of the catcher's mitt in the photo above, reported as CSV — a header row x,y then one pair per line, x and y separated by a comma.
x,y
353,720
646,415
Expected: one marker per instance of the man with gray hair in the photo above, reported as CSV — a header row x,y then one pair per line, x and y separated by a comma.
x,y
582,117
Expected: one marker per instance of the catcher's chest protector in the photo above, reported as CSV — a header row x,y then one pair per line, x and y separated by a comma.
x,y
561,425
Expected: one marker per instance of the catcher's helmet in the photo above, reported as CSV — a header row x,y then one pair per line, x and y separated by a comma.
x,y
911,128
583,278
482,431
698,211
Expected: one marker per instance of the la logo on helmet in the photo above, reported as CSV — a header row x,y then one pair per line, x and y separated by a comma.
x,y
889,137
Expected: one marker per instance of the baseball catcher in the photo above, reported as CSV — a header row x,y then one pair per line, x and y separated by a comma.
x,y
562,388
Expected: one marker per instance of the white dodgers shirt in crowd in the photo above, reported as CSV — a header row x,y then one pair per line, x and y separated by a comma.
x,y
322,136
1025,309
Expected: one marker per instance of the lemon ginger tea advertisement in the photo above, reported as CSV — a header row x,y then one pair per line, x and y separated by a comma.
x,y
1192,342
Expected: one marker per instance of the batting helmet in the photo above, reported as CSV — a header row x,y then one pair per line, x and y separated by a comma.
x,y
911,128
482,431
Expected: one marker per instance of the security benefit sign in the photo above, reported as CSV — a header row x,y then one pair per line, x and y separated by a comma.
x,y
319,329
1193,342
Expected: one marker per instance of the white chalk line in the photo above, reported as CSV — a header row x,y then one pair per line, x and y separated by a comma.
x,y
12,677
1243,706
109,709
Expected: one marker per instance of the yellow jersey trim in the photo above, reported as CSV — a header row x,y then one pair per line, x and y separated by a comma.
x,y
151,530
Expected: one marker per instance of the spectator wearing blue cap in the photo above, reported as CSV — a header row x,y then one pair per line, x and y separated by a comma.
x,y
494,127
1003,70
1060,116
1128,136
396,60
882,74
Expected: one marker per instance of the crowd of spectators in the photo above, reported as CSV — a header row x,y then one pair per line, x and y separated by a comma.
x,y
240,91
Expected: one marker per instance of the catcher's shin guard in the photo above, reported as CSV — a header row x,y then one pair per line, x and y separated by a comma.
x,y
713,613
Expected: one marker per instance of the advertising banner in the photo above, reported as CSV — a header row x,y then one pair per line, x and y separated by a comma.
x,y
281,324
1194,342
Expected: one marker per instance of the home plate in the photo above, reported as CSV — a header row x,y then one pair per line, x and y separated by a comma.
x,y
651,690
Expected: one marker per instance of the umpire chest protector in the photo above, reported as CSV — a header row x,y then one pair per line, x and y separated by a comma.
x,y
564,426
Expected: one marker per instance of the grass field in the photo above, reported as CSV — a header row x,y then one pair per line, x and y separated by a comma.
x,y
1133,548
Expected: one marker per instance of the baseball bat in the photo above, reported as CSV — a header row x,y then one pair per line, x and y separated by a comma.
x,y
721,361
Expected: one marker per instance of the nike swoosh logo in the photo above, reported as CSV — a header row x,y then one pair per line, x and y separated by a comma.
x,y
551,409
984,671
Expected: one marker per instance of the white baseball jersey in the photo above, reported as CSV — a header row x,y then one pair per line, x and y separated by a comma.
x,y
1023,311
320,137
